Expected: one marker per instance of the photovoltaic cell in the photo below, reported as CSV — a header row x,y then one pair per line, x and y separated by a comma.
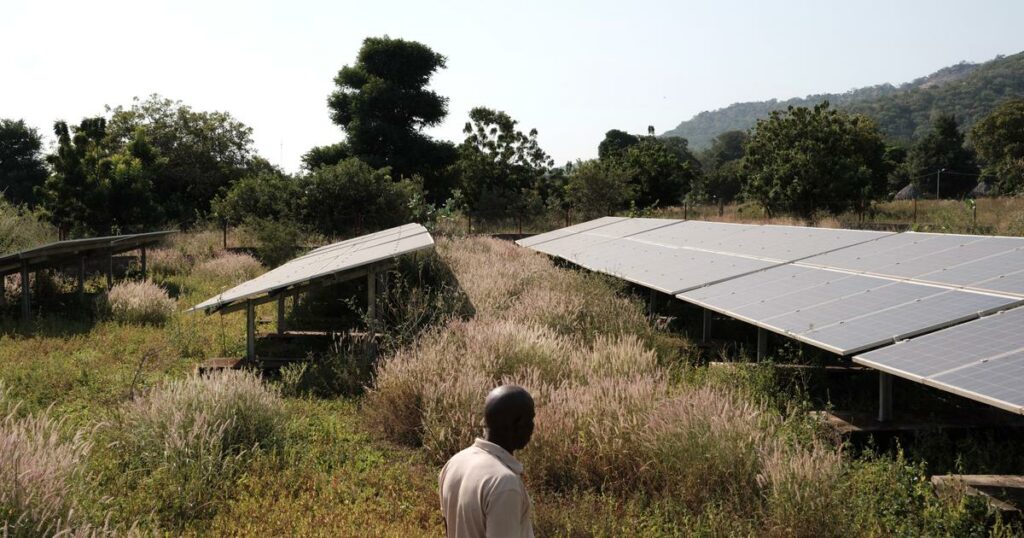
x,y
567,231
982,359
329,260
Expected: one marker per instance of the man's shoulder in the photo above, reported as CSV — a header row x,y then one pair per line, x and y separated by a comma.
x,y
476,461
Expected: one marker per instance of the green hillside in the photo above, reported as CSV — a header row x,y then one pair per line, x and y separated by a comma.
x,y
903,112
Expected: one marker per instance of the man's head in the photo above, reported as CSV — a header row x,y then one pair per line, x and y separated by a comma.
x,y
508,414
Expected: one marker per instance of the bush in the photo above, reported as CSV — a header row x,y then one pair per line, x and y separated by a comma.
x,y
167,261
38,471
187,441
199,246
138,302
276,241
230,266
21,229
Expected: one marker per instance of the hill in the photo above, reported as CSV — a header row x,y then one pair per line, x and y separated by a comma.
x,y
903,112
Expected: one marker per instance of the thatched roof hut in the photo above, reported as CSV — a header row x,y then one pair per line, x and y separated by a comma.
x,y
910,192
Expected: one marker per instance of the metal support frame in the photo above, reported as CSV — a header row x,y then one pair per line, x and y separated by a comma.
x,y
651,302
371,297
110,270
250,330
884,397
142,261
26,293
280,313
705,335
3,291
762,344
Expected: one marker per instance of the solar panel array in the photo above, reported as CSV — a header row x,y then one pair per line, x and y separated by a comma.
x,y
982,360
845,291
326,261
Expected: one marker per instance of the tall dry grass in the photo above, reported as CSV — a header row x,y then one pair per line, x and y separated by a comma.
x,y
610,418
230,266
186,442
39,467
167,261
138,302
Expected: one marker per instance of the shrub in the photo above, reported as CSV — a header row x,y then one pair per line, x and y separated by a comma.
x,y
276,241
187,441
38,470
20,229
199,246
167,261
230,266
138,302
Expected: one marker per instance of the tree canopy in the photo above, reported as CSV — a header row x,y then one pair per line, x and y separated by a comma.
x,y
808,159
383,104
22,168
941,155
999,141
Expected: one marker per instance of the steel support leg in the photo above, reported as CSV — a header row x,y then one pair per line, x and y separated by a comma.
x,y
280,314
371,298
110,271
250,331
762,344
884,397
81,278
26,293
142,262
706,332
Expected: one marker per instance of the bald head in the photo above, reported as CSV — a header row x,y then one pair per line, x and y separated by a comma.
x,y
508,414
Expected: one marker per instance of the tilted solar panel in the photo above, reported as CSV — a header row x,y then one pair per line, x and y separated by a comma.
x,y
332,259
982,359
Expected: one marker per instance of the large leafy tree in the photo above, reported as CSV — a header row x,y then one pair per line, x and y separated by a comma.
x,y
98,187
352,197
500,168
267,195
598,188
383,104
22,168
804,160
203,152
615,143
941,155
656,170
722,168
999,140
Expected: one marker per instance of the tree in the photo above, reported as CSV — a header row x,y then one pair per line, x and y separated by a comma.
x,y
722,168
352,197
501,169
204,152
383,105
22,168
615,143
804,160
325,156
999,141
99,188
598,188
657,172
941,155
267,195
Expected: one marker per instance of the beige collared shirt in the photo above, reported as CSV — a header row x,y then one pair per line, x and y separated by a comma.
x,y
482,494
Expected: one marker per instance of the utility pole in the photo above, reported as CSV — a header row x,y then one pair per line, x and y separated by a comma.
x,y
938,173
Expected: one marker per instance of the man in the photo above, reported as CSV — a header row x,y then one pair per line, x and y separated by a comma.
x,y
482,494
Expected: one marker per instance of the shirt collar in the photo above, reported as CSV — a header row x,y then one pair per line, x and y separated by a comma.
x,y
500,454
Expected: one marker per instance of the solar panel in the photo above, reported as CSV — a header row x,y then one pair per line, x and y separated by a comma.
x,y
991,264
567,231
329,260
982,359
841,312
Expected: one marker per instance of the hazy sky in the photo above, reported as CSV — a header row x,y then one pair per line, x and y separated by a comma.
x,y
573,70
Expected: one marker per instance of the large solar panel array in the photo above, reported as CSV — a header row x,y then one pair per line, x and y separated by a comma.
x,y
326,261
982,360
844,291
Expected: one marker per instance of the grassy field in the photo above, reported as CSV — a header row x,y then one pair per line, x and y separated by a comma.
x,y
109,433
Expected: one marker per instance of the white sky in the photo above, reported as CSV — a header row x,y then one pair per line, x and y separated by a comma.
x,y
573,70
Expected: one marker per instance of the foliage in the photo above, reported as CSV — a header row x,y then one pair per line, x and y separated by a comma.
x,y
615,143
230,266
22,168
657,172
185,443
904,112
21,229
38,473
138,302
941,155
325,156
500,168
202,153
383,105
806,160
598,188
999,140
352,197
269,194
722,179
276,241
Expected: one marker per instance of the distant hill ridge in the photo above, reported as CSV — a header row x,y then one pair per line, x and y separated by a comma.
x,y
904,112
